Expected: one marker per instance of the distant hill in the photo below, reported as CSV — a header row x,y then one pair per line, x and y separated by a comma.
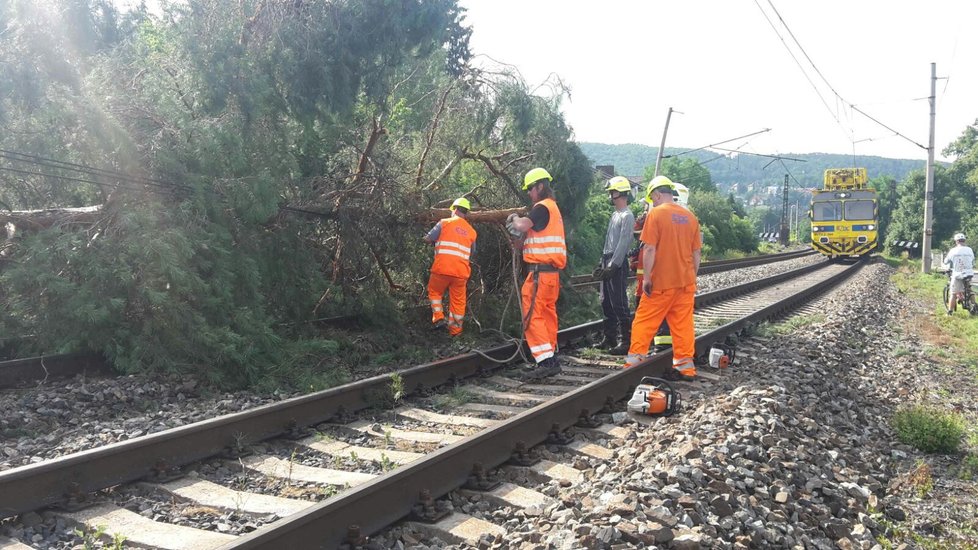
x,y
631,159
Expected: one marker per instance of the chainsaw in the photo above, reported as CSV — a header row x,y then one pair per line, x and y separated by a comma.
x,y
722,356
654,397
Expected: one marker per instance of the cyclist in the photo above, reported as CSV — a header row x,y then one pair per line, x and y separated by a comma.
x,y
961,262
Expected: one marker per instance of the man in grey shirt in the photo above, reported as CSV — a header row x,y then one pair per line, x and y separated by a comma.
x,y
613,270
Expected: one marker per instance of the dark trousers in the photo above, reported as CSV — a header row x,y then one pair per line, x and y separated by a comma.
x,y
614,303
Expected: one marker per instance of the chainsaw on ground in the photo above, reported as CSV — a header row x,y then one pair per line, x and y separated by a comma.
x,y
722,356
654,397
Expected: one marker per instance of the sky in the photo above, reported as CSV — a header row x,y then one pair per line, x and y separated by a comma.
x,y
725,68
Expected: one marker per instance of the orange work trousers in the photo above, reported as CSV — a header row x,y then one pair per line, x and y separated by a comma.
x,y
437,285
541,325
675,305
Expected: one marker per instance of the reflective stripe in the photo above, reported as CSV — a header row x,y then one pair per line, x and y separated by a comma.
x,y
462,255
554,250
542,347
459,246
436,301
688,361
541,240
541,356
437,308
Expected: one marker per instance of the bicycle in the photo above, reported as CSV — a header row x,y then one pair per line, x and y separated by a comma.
x,y
967,302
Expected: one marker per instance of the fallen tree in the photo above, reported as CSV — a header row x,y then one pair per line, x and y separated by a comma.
x,y
26,220
475,216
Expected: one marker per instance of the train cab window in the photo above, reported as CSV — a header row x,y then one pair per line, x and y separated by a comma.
x,y
830,211
859,210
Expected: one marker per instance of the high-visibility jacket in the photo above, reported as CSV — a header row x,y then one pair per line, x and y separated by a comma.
x,y
547,246
453,248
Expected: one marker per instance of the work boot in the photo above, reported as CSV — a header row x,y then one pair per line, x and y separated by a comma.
x,y
626,342
439,324
608,340
547,367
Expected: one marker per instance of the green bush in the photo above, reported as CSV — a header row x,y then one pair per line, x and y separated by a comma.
x,y
929,429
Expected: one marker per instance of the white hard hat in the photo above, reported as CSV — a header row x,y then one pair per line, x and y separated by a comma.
x,y
959,236
681,192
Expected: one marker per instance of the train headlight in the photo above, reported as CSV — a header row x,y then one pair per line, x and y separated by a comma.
x,y
861,239
823,240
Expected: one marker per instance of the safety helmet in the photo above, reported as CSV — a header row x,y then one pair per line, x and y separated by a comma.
x,y
681,193
620,184
656,182
462,202
534,176
959,236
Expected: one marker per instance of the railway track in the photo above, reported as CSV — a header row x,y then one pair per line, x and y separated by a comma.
x,y
716,266
39,369
382,466
17,372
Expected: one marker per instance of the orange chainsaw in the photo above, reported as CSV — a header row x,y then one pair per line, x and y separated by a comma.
x,y
654,397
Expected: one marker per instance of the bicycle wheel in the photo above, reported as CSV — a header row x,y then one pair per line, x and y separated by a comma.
x,y
947,298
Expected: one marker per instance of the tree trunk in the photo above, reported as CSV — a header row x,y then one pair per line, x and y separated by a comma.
x,y
475,216
26,220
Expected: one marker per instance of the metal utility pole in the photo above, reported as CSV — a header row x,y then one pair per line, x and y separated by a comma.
x,y
784,214
662,144
925,258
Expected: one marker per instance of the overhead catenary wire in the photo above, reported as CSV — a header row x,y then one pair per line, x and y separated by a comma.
x,y
122,179
837,95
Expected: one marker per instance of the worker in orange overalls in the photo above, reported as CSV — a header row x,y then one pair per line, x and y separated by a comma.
x,y
454,240
545,254
670,260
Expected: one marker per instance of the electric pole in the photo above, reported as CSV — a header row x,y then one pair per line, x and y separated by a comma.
x,y
925,258
783,237
662,144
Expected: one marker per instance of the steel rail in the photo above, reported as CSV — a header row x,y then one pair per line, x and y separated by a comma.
x,y
715,266
18,371
34,486
383,501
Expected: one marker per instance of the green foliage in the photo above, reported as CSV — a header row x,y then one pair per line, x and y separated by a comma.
x,y
632,159
928,429
722,229
968,470
357,124
685,170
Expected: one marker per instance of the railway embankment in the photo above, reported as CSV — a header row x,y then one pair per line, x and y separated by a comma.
x,y
794,449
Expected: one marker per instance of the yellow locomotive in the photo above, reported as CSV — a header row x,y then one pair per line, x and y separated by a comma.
x,y
844,215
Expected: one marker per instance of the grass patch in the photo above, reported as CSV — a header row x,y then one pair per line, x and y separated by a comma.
x,y
929,429
953,337
591,353
968,469
457,397
900,351
789,325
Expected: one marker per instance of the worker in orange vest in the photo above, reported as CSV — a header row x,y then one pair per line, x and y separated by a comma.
x,y
454,240
670,260
541,237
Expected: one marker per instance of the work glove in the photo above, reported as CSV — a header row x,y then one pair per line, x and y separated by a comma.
x,y
596,274
606,273
647,288
515,233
